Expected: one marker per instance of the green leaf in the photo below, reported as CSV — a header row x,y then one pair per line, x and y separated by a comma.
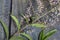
x,y
38,25
27,20
26,35
5,28
24,17
41,35
49,34
17,38
16,21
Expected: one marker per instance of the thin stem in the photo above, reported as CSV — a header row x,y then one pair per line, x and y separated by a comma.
x,y
20,30
10,19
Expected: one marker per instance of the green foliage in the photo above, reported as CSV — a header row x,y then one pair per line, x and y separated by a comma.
x,y
49,34
26,35
17,38
43,36
5,28
16,21
27,20
18,25
38,25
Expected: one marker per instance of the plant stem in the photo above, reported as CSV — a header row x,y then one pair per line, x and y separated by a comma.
x,y
20,30
10,19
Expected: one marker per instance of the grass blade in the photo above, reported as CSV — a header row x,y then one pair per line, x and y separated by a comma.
x,y
16,21
38,25
49,34
41,34
26,35
5,28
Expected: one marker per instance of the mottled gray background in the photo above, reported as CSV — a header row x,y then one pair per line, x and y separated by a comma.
x,y
18,7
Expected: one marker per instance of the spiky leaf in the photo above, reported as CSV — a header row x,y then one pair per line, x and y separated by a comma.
x,y
27,20
38,25
41,35
16,21
5,28
27,36
49,34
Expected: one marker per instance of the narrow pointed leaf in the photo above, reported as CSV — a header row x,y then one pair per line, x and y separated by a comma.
x,y
16,21
17,38
49,34
26,20
26,35
38,25
41,35
5,28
